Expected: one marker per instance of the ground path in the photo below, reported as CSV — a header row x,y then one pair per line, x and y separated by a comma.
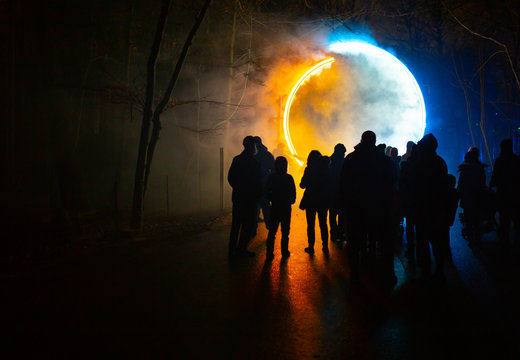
x,y
183,298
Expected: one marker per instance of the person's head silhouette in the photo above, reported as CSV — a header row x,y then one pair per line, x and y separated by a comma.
x,y
473,154
314,158
259,145
249,145
428,144
368,137
409,146
340,149
280,165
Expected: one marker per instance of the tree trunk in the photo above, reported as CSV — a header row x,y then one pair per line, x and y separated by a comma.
x,y
139,183
199,187
483,110
156,120
468,104
230,80
11,86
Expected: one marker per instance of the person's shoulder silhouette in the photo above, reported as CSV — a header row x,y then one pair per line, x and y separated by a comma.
x,y
244,175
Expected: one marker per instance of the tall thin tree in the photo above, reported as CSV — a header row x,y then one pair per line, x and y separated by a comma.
x,y
151,117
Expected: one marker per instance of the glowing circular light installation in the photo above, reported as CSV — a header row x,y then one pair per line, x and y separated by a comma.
x,y
381,94
316,69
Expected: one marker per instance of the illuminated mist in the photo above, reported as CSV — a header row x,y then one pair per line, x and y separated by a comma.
x,y
358,91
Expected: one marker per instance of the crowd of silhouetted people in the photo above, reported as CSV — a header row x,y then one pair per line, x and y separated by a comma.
x,y
370,197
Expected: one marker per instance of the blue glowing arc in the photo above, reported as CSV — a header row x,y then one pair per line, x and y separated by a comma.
x,y
408,85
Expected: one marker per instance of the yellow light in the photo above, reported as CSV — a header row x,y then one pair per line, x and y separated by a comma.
x,y
312,71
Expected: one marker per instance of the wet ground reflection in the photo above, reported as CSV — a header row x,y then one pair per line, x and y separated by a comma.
x,y
183,298
306,307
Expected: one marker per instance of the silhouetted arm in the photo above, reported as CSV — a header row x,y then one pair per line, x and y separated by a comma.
x,y
292,190
233,173
305,179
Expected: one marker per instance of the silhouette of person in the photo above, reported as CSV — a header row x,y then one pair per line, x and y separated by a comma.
x,y
405,187
452,205
281,192
408,153
471,188
316,199
429,205
366,194
245,178
506,178
396,160
336,218
266,160
395,216
381,147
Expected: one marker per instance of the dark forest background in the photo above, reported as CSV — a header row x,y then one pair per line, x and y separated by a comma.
x,y
73,76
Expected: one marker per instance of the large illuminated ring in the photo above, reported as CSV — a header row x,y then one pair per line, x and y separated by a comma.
x,y
312,71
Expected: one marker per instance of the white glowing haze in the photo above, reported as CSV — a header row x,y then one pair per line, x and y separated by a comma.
x,y
377,92
407,120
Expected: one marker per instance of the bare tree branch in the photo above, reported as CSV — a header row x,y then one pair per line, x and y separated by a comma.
x,y
464,90
485,62
176,103
140,178
156,120
502,45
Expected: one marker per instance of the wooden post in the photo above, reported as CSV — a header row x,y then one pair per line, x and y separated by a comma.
x,y
167,197
221,179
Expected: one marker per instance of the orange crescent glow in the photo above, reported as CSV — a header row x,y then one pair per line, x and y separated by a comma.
x,y
312,71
